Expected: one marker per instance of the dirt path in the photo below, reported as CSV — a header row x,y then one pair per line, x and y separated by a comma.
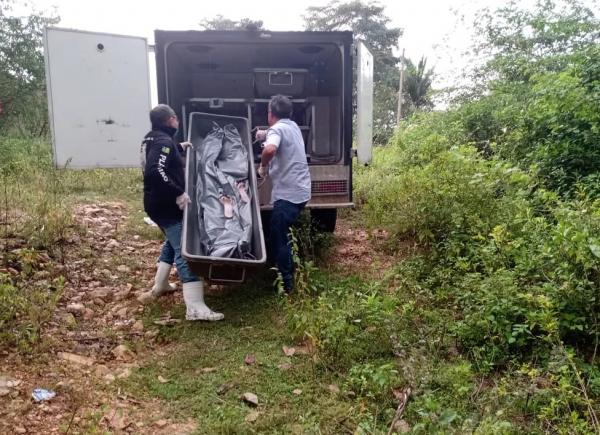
x,y
358,250
96,337
100,335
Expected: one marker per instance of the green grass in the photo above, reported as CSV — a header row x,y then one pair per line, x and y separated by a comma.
x,y
253,326
449,396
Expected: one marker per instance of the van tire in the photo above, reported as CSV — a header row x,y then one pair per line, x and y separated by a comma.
x,y
323,219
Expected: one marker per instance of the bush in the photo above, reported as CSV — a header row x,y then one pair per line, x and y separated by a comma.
x,y
526,288
36,199
346,322
37,221
455,194
508,269
26,304
561,127
373,381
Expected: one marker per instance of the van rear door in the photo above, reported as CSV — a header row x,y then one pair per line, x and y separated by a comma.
x,y
364,115
98,97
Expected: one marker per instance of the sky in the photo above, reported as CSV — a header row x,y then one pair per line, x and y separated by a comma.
x,y
431,27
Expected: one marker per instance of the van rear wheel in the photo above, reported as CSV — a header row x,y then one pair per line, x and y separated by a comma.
x,y
323,219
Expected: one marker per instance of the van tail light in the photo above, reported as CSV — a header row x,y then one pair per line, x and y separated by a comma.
x,y
330,187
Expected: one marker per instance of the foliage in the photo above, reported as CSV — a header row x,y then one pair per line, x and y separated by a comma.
x,y
37,227
500,196
534,100
518,43
417,86
344,326
27,298
219,22
22,83
496,242
373,381
370,24
510,273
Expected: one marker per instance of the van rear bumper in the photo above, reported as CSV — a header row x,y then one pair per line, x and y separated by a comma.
x,y
317,205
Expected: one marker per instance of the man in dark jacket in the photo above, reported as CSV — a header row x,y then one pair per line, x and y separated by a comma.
x,y
164,201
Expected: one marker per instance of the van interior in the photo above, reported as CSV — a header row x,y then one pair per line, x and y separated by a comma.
x,y
238,79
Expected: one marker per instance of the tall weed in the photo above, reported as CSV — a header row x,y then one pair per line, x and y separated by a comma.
x,y
36,199
36,220
509,272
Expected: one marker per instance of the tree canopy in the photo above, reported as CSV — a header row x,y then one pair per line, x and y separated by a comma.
x,y
22,76
417,85
369,23
535,98
219,22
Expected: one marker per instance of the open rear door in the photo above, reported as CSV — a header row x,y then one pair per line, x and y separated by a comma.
x,y
98,97
364,118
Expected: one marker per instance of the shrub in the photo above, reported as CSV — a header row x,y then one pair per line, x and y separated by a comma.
x,y
25,307
347,322
373,381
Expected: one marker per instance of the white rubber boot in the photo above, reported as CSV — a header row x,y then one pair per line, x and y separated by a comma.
x,y
196,309
161,284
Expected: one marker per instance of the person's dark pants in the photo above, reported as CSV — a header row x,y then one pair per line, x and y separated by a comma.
x,y
284,215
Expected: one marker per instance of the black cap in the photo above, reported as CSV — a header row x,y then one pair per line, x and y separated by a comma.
x,y
160,115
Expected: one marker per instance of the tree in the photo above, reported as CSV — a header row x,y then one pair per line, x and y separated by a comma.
x,y
519,43
369,23
22,72
535,98
417,86
221,23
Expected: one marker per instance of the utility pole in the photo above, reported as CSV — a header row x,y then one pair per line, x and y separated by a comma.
x,y
400,98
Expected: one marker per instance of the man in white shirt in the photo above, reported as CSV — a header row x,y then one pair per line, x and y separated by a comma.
x,y
284,160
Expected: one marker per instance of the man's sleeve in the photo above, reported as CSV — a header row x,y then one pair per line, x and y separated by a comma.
x,y
143,156
273,137
157,161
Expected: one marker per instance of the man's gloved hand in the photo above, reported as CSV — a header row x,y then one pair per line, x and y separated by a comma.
x,y
185,145
261,135
183,200
262,171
